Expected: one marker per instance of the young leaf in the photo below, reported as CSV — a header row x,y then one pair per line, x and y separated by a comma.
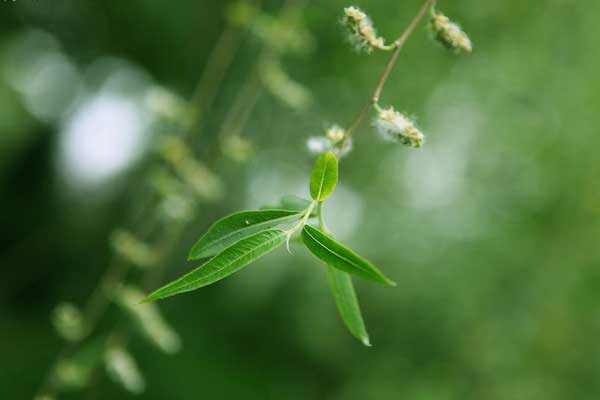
x,y
342,288
235,227
227,262
324,176
339,256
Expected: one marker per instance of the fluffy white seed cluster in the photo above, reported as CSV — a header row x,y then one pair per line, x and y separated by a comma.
x,y
397,127
334,140
362,34
450,34
318,144
335,134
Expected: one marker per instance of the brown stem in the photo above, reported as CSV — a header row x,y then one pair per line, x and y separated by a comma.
x,y
398,44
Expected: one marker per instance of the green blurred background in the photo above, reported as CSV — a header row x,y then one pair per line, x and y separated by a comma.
x,y
490,229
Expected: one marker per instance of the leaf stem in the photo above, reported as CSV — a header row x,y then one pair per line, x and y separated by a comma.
x,y
320,217
398,44
302,222
299,225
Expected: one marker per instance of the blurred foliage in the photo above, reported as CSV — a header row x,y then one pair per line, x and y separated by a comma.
x,y
489,229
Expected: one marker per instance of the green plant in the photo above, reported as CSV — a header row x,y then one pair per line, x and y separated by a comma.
x,y
237,240
179,182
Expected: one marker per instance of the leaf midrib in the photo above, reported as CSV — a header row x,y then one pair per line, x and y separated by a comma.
x,y
348,304
335,253
322,182
225,266
248,228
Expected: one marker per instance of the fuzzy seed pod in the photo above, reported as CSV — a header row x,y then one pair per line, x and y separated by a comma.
x,y
318,144
344,147
449,34
395,126
362,34
334,140
335,134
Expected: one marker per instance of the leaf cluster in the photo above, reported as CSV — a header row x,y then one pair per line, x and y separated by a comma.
x,y
237,240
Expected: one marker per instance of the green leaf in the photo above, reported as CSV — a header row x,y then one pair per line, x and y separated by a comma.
x,y
342,288
235,227
339,256
229,261
324,176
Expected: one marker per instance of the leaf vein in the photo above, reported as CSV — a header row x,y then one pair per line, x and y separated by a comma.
x,y
187,285
335,253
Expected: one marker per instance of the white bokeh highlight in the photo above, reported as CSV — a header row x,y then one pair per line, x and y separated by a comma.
x,y
103,136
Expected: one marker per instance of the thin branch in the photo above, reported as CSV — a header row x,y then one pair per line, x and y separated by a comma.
x,y
398,44
320,217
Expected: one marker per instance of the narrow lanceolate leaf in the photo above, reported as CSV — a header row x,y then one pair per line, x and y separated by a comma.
x,y
347,303
339,256
229,261
235,227
324,176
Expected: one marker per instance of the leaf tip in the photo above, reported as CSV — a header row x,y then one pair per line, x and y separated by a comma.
x,y
365,341
194,254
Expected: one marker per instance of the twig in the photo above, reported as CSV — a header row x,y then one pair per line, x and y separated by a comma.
x,y
398,44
